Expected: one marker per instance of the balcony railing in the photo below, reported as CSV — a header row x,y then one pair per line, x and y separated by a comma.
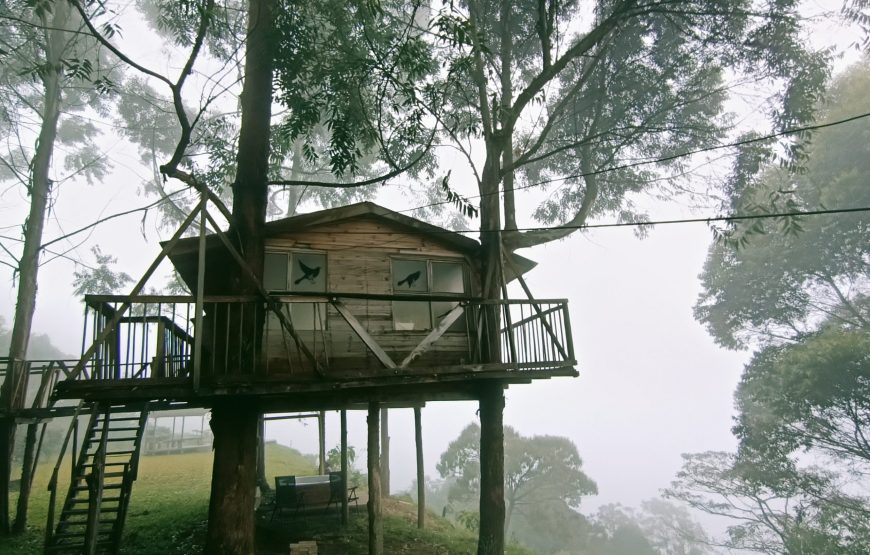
x,y
306,337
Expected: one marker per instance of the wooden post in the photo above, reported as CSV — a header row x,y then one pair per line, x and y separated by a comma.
x,y
385,452
200,296
492,510
376,525
261,456
345,510
421,480
321,438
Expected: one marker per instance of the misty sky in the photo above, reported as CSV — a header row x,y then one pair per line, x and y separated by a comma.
x,y
652,384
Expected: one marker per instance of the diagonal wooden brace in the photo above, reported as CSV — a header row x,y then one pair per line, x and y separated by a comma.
x,y
434,335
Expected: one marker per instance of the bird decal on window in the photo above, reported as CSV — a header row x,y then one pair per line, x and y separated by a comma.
x,y
410,279
307,273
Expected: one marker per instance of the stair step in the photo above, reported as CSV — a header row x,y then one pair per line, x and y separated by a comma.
x,y
105,487
97,441
105,499
119,419
113,454
85,511
80,522
69,535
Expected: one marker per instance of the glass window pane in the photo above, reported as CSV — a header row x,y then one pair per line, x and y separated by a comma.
x,y
410,275
275,271
411,315
308,272
441,309
447,278
308,316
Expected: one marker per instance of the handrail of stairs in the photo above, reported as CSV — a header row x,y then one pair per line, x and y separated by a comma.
x,y
52,483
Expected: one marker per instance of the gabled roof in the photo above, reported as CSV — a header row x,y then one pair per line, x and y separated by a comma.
x,y
181,255
376,211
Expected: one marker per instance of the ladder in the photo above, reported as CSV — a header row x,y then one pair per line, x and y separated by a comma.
x,y
95,508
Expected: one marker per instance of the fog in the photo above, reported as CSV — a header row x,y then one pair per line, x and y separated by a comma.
x,y
652,383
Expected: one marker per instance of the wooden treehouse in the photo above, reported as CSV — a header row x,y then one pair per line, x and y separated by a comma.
x,y
358,307
358,303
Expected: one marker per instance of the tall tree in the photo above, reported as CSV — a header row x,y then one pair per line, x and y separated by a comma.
x,y
52,72
539,470
562,94
319,58
774,511
797,292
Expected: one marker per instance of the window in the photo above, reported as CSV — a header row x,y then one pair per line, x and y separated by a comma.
x,y
425,277
298,271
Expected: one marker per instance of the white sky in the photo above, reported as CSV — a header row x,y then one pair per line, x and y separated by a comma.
x,y
652,384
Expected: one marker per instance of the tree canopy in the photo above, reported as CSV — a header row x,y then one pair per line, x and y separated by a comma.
x,y
539,470
798,295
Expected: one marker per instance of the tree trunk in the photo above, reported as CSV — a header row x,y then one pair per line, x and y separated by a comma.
x,y
15,386
376,524
492,510
421,479
236,425
24,488
233,480
385,452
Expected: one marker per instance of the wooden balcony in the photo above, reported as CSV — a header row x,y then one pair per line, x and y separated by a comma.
x,y
148,346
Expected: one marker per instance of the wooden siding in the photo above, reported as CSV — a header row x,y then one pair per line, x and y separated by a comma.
x,y
359,254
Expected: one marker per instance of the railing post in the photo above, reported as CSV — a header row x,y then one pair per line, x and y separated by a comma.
x,y
569,338
200,293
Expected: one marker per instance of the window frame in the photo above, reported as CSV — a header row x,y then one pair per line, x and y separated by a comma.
x,y
428,260
289,259
288,254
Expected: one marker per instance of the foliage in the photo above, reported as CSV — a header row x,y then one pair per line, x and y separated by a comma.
x,y
333,457
789,283
800,296
658,528
776,511
539,471
811,395
87,83
561,92
100,280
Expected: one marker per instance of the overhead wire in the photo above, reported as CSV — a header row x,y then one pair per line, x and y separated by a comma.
x,y
629,165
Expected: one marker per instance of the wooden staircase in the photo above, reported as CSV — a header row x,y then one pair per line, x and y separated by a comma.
x,y
93,513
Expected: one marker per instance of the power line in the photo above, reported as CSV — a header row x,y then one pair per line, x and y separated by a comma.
x,y
762,138
707,219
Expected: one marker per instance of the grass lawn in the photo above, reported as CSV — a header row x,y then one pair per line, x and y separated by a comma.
x,y
169,507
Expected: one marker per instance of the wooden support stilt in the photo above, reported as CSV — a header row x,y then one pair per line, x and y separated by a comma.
x,y
345,510
321,440
385,452
261,457
376,525
421,480
492,509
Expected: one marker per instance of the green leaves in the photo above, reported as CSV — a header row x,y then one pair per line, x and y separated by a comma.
x,y
771,281
460,202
